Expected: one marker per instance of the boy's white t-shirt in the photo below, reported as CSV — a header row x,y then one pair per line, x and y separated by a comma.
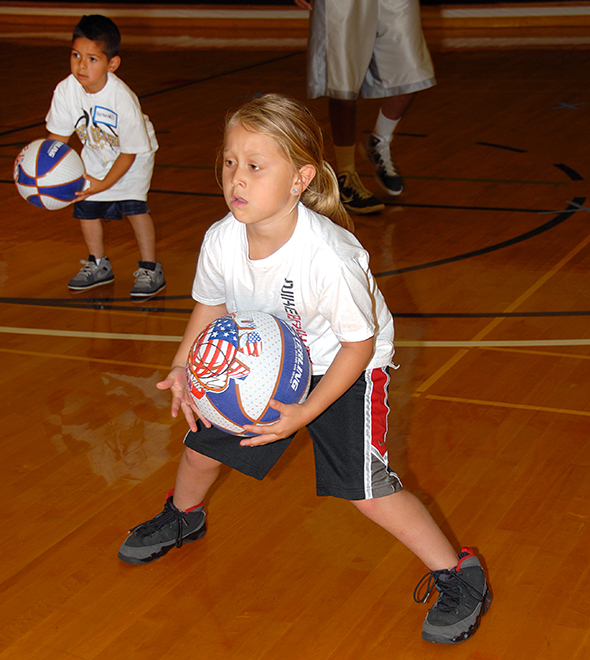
x,y
108,123
319,282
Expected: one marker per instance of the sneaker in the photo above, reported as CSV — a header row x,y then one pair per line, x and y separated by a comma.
x,y
170,528
378,153
355,197
148,282
464,598
92,274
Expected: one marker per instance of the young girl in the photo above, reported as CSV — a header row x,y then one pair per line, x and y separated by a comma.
x,y
283,249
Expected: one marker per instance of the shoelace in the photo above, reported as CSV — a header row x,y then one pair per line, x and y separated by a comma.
x,y
144,275
89,267
450,589
170,515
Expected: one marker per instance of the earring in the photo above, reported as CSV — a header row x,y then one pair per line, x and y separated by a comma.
x,y
294,191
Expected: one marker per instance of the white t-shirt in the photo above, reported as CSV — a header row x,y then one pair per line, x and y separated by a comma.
x,y
319,282
108,123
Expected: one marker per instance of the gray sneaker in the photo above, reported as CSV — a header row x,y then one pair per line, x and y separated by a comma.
x,y
148,282
170,528
378,153
464,598
92,274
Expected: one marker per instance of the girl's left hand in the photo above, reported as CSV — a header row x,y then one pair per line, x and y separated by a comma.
x,y
293,417
96,186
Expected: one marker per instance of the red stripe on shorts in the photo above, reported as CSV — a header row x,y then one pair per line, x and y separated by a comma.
x,y
379,410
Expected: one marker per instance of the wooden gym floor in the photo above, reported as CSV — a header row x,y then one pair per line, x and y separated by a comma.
x,y
485,263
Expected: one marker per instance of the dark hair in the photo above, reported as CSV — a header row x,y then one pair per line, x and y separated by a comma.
x,y
102,31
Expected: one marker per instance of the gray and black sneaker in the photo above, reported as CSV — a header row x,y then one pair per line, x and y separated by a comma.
x,y
170,528
147,282
378,153
355,197
463,599
92,274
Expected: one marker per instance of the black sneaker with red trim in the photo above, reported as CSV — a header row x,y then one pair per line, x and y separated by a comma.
x,y
463,599
170,528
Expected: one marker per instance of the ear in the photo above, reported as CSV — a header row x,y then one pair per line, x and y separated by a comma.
x,y
114,63
306,175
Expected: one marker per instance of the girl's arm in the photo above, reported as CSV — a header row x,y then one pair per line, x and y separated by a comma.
x,y
200,318
119,168
350,361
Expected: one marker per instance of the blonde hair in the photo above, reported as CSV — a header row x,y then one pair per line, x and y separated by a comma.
x,y
298,134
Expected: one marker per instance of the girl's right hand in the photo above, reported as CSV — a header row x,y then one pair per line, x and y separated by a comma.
x,y
181,399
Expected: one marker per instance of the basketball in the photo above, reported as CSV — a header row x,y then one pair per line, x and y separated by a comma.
x,y
48,174
239,363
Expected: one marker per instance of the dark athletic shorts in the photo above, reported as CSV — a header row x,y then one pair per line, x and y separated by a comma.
x,y
348,441
86,210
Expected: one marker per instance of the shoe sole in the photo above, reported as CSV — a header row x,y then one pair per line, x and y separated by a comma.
x,y
140,297
365,211
90,286
137,561
466,634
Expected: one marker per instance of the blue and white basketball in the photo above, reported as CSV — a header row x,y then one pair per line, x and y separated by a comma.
x,y
48,174
239,363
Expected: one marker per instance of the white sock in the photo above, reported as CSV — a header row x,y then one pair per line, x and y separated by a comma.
x,y
384,127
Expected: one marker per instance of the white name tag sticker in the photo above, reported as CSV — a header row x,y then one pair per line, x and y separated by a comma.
x,y
105,116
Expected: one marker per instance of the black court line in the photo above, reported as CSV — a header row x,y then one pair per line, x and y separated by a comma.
x,y
501,146
492,248
573,175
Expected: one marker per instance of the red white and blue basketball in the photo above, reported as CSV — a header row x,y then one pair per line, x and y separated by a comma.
x,y
48,174
242,361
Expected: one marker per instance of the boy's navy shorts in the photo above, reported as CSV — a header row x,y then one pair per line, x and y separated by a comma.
x,y
348,440
87,210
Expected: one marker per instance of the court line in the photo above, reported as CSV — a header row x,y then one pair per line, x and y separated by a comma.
x,y
81,334
502,404
439,373
84,359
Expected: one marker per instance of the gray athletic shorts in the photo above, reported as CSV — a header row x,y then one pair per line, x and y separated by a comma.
x,y
373,47
348,440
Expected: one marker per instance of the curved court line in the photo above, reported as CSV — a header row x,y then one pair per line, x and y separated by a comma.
x,y
557,220
81,334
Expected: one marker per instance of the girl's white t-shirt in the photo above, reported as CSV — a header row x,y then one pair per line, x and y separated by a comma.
x,y
108,123
319,282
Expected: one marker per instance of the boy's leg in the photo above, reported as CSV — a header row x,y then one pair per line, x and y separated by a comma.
x,y
145,235
97,270
183,517
149,276
93,233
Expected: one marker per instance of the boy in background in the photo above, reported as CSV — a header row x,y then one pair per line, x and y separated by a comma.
x,y
119,144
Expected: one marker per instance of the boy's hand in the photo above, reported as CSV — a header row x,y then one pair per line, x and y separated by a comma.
x,y
175,381
293,417
96,186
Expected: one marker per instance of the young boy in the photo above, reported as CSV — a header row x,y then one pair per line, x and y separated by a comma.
x,y
119,144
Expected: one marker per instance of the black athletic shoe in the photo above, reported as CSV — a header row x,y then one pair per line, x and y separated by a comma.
x,y
378,153
170,528
464,598
355,197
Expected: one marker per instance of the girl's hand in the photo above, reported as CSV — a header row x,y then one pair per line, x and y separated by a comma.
x,y
181,399
293,417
